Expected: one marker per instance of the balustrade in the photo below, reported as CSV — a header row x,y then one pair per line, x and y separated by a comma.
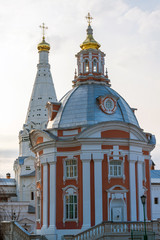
x,y
115,228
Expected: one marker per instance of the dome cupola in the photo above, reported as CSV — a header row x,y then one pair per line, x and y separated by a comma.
x,y
90,61
43,46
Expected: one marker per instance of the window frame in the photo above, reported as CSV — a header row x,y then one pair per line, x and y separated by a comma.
x,y
86,65
119,157
95,65
73,166
38,206
68,192
115,168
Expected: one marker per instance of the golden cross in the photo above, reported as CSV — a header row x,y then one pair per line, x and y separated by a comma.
x,y
89,18
43,29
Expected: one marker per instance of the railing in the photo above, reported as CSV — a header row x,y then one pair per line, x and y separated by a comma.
x,y
114,228
14,231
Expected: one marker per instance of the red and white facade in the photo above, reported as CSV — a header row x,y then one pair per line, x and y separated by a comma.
x,y
93,161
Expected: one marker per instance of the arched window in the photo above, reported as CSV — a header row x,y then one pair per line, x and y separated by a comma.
x,y
38,206
115,168
70,204
86,65
94,65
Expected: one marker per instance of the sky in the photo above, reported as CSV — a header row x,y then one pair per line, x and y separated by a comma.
x,y
129,34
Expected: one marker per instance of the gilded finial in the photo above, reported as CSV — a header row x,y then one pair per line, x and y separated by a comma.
x,y
89,18
75,74
90,42
106,73
43,30
43,46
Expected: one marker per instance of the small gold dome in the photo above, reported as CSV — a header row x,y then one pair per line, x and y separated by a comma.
x,y
90,42
43,46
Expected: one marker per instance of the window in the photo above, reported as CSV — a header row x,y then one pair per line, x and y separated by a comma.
x,y
32,195
115,168
86,66
28,168
38,208
94,65
70,210
71,207
71,168
155,200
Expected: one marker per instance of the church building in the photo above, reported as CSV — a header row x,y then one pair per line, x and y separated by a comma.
x,y
93,159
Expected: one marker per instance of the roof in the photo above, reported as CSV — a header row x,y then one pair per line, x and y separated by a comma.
x,y
7,182
21,160
155,176
32,174
155,173
79,108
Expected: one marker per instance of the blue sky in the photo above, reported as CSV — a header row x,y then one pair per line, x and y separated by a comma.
x,y
129,34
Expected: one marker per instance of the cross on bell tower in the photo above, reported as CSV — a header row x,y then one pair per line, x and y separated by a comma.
x,y
43,30
89,18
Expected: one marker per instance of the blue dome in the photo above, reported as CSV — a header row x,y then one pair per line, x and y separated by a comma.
x,y
79,107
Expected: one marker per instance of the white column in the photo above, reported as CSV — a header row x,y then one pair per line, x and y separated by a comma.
x,y
45,196
86,194
140,186
52,226
98,190
133,205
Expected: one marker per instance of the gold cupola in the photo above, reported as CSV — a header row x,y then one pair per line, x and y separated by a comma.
x,y
90,42
43,46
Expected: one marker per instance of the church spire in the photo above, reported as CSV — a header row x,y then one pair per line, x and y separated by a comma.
x,y
43,89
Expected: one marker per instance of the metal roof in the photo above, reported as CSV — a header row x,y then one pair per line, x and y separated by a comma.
x,y
79,108
155,173
7,182
155,176
32,174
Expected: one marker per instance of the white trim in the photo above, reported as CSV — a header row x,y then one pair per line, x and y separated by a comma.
x,y
98,190
86,194
133,200
52,196
45,197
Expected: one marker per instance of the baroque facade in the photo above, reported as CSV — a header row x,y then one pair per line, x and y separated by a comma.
x,y
93,160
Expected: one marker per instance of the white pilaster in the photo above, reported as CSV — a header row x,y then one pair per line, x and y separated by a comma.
x,y
52,226
98,187
86,190
45,197
90,62
133,209
140,186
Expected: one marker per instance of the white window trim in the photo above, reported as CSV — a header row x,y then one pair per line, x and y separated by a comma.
x,y
116,158
64,169
66,191
118,165
86,59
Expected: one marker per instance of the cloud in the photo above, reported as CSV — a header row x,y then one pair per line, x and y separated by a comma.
x,y
8,153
